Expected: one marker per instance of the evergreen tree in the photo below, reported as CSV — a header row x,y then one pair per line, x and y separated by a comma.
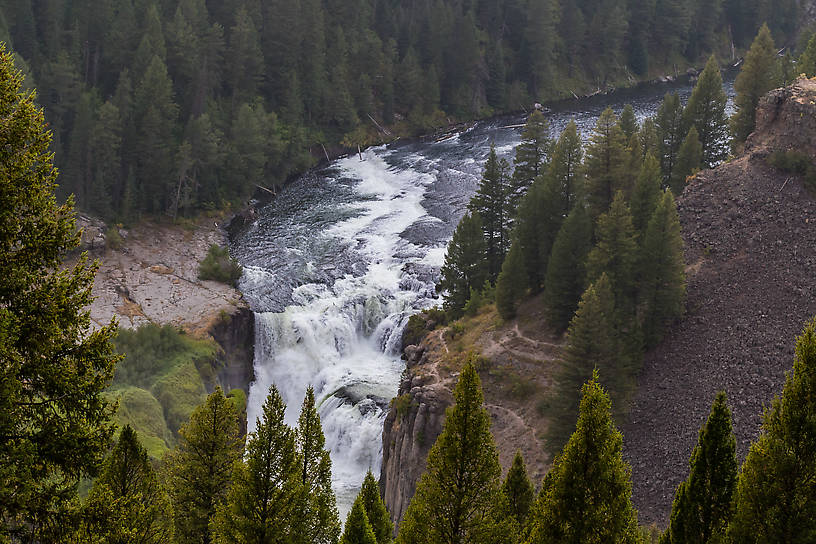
x,y
663,280
669,123
705,111
55,422
649,142
491,202
375,509
465,268
512,283
532,157
588,496
565,167
616,252
261,505
358,530
775,500
628,122
459,498
759,74
518,489
688,161
807,60
605,163
200,469
646,195
566,275
703,503
319,522
127,503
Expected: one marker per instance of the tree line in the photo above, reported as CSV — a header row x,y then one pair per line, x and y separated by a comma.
x,y
160,106
595,229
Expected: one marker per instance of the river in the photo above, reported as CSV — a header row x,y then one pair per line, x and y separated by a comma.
x,y
336,264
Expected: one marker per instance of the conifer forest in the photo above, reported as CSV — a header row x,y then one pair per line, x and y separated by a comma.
x,y
160,115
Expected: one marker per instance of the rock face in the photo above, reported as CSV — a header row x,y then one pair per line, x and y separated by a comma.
x,y
750,236
236,335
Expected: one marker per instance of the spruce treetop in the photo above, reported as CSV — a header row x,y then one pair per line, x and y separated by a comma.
x,y
705,111
760,73
376,510
358,530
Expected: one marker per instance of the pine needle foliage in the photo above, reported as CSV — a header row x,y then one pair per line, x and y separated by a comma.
x,y
760,73
518,489
705,111
358,530
776,494
703,503
512,284
375,509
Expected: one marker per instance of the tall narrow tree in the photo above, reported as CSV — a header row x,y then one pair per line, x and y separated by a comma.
x,y
375,509
760,73
490,201
532,157
605,163
465,268
669,122
512,283
705,111
566,169
519,490
689,159
703,503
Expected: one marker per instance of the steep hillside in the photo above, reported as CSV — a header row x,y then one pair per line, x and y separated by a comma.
x,y
750,235
515,361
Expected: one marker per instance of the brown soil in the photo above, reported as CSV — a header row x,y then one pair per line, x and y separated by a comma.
x,y
750,234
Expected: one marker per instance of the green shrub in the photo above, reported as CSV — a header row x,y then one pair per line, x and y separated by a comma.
x,y
437,317
402,404
795,162
414,330
239,400
113,240
219,266
455,331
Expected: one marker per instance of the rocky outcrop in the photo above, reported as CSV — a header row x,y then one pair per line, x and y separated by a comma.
x,y
235,333
750,236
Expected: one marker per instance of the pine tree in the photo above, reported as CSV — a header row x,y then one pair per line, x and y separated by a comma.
x,y
616,252
133,504
566,274
669,122
512,283
491,202
465,268
458,498
587,495
518,489
565,167
532,158
54,419
662,268
649,142
261,505
358,530
319,522
200,468
646,195
703,503
605,163
628,122
688,161
759,74
807,60
375,509
775,500
705,111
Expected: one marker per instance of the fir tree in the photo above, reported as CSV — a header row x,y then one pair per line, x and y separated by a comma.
x,y
663,280
628,122
375,509
669,123
518,489
646,195
358,530
532,157
705,111
319,522
261,506
566,275
688,161
539,217
703,503
464,268
565,167
587,497
775,500
512,283
491,202
759,74
605,163
55,422
127,503
459,498
807,60
616,252
649,142
201,467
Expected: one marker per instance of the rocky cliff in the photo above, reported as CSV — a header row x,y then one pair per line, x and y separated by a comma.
x,y
515,362
750,235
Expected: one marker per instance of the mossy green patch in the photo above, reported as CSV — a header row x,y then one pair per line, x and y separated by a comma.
x,y
179,392
140,409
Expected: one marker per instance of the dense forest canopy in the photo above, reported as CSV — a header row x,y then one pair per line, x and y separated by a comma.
x,y
160,106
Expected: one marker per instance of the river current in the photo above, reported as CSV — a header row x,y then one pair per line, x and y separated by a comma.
x,y
336,264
